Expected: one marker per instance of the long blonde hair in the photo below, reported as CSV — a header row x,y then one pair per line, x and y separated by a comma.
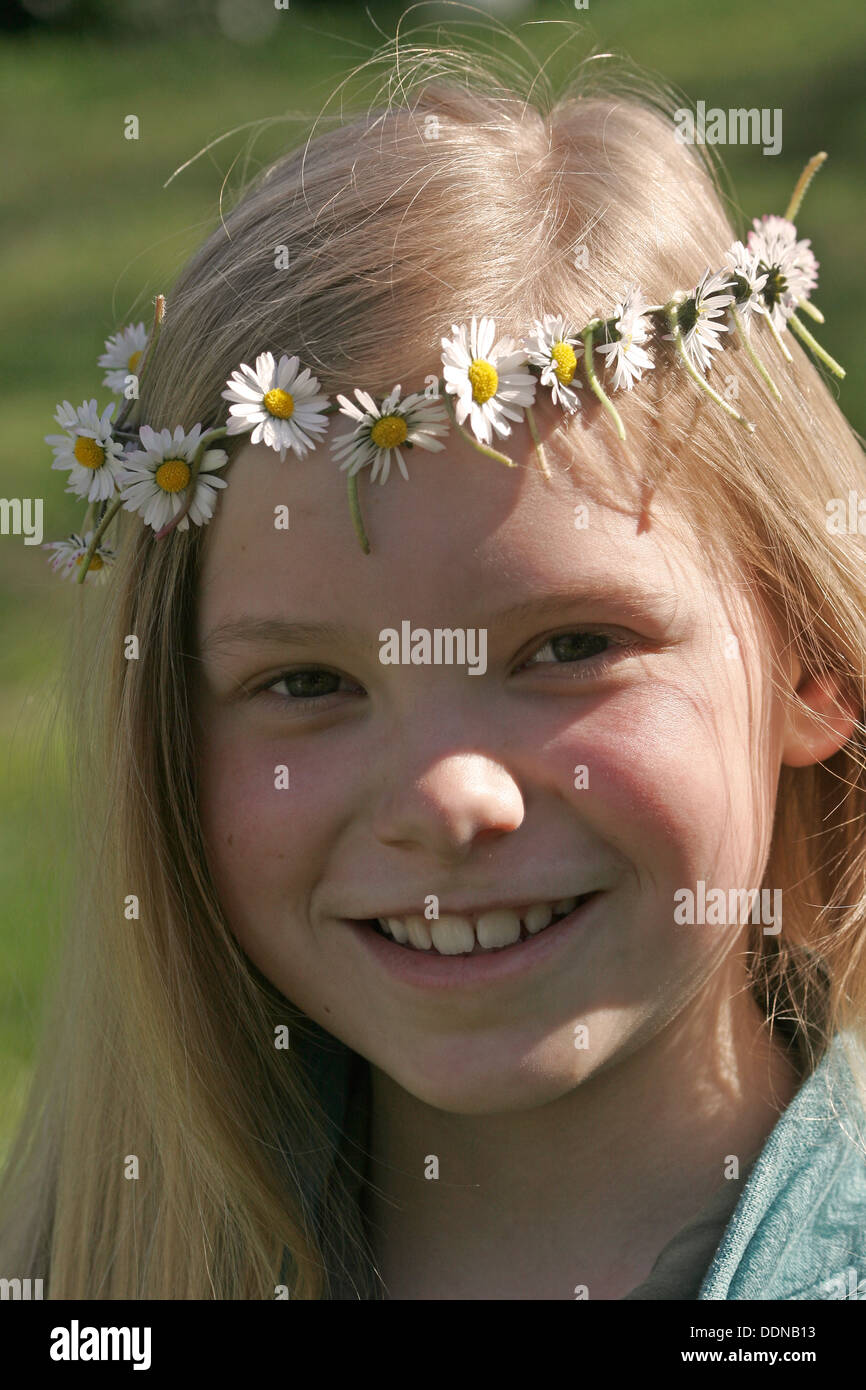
x,y
454,194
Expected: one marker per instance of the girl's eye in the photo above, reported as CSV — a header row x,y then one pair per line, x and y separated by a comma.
x,y
580,647
305,687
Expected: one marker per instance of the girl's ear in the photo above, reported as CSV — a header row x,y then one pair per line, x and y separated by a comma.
x,y
819,721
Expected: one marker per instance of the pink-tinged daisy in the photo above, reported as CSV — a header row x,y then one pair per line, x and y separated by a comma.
x,y
281,405
624,352
68,555
87,450
699,315
791,266
554,346
383,429
155,479
489,379
123,353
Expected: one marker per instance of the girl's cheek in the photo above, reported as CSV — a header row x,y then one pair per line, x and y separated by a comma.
x,y
245,806
267,811
655,776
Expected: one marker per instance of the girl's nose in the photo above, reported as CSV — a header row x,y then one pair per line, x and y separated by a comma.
x,y
449,806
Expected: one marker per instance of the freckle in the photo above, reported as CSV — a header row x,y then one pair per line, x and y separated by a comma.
x,y
230,840
325,1007
281,856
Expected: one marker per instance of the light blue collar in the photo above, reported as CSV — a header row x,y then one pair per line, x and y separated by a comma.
x,y
799,1228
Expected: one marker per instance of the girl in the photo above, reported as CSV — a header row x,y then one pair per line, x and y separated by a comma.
x,y
475,911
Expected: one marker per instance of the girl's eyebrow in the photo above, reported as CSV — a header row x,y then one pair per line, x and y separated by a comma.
x,y
273,630
638,597
635,599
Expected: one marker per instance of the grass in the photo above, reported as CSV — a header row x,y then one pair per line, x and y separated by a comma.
x,y
92,234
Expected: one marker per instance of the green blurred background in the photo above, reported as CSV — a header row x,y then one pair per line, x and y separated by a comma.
x,y
91,234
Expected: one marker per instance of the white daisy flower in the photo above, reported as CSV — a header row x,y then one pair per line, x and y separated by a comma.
x,y
791,266
802,269
708,302
748,297
625,353
554,346
155,478
87,449
281,406
415,421
489,379
68,555
123,353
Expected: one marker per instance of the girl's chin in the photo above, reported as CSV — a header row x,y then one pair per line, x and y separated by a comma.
x,y
506,1079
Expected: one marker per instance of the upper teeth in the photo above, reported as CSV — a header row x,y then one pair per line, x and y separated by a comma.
x,y
455,934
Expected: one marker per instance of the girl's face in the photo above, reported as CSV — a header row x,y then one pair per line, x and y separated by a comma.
x,y
618,735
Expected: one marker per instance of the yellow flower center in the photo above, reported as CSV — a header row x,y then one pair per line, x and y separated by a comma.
x,y
484,379
95,564
566,362
172,475
88,452
134,361
389,431
279,403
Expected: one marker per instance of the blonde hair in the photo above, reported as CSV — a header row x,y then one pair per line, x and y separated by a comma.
x,y
454,195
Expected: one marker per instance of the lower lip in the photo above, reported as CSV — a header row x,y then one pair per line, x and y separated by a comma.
x,y
430,971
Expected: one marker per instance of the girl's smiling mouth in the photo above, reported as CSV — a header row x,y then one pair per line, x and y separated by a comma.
x,y
465,933
459,949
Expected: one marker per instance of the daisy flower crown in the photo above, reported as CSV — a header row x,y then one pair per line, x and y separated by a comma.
x,y
172,477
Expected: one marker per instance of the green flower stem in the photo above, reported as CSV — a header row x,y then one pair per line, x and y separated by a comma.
x,y
594,383
753,356
355,509
777,335
352,493
159,315
805,336
194,467
673,320
111,511
539,447
811,310
476,443
802,184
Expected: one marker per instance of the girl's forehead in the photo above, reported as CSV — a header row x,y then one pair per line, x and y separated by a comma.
x,y
464,535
